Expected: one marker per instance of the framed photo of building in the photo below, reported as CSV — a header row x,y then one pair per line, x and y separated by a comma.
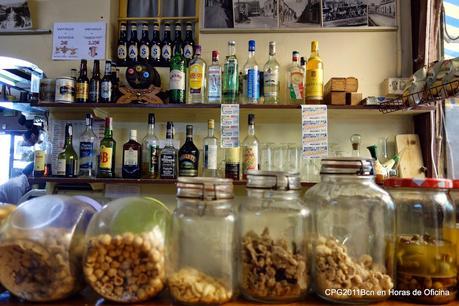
x,y
218,14
382,13
14,15
258,14
300,13
344,13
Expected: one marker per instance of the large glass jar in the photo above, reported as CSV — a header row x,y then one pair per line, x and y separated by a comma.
x,y
41,248
354,224
125,250
425,250
273,232
5,211
201,250
454,195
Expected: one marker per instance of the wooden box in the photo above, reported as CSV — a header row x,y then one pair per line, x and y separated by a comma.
x,y
352,84
336,98
335,84
353,98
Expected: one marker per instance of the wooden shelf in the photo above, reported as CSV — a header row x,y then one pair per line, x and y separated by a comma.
x,y
26,32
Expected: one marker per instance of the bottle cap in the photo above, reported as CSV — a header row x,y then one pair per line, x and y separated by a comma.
x,y
88,119
215,55
314,45
251,119
151,118
69,129
108,122
189,129
133,134
303,61
251,45
197,49
295,55
231,43
211,124
272,48
133,26
178,27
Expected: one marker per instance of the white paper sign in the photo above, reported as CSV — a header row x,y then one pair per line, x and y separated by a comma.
x,y
229,120
315,131
75,41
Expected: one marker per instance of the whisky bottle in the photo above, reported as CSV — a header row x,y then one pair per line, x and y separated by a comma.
x,y
188,155
88,142
168,156
271,77
314,76
132,157
250,147
67,160
107,151
209,166
42,153
150,147
82,83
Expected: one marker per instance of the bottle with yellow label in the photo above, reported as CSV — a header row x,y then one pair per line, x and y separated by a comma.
x,y
197,78
314,76
107,151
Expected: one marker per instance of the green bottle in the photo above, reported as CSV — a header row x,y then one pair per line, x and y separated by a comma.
x,y
177,77
107,151
67,160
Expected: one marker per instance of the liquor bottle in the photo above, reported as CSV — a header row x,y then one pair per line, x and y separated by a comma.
x,y
214,76
251,77
67,160
177,78
168,156
271,77
107,152
150,146
231,75
88,154
155,46
133,45
295,80
94,83
188,43
166,45
115,82
177,38
122,45
73,73
106,84
132,157
197,78
41,156
209,166
250,147
232,163
188,155
144,44
314,76
82,83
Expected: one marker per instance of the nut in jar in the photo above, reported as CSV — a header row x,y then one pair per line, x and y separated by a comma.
x,y
125,268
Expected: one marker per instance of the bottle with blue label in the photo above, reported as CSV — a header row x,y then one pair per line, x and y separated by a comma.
x,y
87,149
251,77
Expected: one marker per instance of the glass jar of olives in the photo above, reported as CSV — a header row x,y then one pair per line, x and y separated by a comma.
x,y
425,248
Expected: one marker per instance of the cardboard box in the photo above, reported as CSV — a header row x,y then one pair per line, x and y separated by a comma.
x,y
394,86
352,84
353,98
335,84
336,98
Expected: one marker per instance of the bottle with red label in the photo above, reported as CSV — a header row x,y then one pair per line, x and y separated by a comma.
x,y
295,80
107,151
250,149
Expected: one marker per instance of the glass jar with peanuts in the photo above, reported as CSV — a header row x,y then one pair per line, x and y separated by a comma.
x,y
273,229
201,250
41,248
5,211
354,233
426,246
125,250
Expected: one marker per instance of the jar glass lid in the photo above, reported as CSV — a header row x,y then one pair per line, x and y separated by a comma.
x,y
347,166
274,180
205,188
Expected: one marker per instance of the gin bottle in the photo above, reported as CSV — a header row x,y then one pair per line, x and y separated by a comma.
x,y
214,76
197,78
231,75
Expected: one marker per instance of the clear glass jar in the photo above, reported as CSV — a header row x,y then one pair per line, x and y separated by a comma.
x,y
202,247
454,195
125,257
41,248
354,224
273,228
425,249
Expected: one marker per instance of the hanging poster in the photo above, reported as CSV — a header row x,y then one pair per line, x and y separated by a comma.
x,y
314,131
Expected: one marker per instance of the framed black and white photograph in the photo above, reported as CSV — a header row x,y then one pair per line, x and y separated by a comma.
x,y
218,14
14,15
257,14
300,13
344,13
382,13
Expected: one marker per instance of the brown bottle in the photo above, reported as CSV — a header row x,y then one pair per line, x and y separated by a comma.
x,y
82,83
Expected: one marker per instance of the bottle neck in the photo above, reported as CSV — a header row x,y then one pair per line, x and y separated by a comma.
x,y
144,35
151,129
189,137
96,72
189,35
214,61
108,70
178,35
133,34
272,57
210,132
251,54
231,50
155,35
251,131
108,132
68,141
314,53
167,35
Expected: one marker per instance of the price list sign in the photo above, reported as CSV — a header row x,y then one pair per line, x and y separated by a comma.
x,y
229,120
314,131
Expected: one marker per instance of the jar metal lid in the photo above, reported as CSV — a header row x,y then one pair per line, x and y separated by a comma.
x,y
275,180
456,184
205,188
347,166
419,183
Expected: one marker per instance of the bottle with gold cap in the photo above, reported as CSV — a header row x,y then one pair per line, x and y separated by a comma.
x,y
314,76
209,165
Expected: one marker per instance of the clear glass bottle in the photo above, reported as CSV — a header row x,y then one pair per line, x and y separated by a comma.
x,y
168,156
273,247
251,77
209,165
250,149
197,78
214,76
354,224
88,154
295,80
271,85
231,75
314,76
150,146
204,219
425,249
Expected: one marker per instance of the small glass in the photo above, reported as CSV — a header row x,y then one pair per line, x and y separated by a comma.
x,y
280,157
294,158
266,156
